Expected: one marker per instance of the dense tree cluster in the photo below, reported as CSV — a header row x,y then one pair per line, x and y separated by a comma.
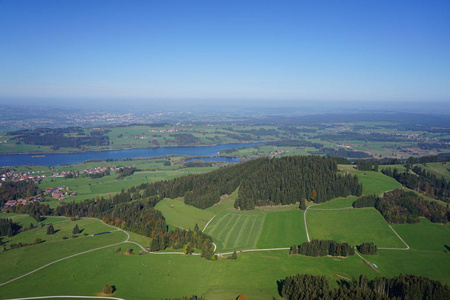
x,y
323,248
8,227
367,165
13,190
189,239
368,248
305,286
285,180
422,181
366,201
340,152
290,179
124,172
399,206
184,139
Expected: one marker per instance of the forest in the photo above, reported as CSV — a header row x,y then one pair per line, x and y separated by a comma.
x,y
263,181
305,287
399,206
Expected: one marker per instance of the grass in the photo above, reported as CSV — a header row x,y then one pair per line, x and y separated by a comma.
x,y
376,183
181,215
167,276
236,230
354,226
26,220
425,235
282,229
20,261
340,202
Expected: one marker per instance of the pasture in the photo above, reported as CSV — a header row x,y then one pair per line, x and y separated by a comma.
x,y
236,230
181,215
375,182
354,226
19,261
425,235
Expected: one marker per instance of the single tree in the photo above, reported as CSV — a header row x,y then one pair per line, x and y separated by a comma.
x,y
76,230
108,289
50,229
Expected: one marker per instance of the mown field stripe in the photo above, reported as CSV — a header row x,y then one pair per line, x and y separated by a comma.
x,y
226,239
242,232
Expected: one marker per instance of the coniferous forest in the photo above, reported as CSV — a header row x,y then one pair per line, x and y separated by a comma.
x,y
307,286
263,181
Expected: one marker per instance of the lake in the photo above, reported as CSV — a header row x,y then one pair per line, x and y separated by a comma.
x,y
55,159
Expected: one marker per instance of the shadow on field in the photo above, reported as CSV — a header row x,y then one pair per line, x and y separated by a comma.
x,y
280,284
343,283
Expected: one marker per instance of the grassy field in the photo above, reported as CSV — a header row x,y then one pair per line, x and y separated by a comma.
x,y
26,220
425,235
166,276
282,229
376,183
181,215
236,230
354,226
340,202
20,261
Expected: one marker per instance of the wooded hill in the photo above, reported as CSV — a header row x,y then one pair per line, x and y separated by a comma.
x,y
263,181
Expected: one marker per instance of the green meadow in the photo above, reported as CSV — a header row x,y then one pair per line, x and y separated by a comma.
x,y
181,215
375,182
425,235
354,226
19,261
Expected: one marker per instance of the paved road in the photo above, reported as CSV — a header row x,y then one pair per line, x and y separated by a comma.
x,y
306,224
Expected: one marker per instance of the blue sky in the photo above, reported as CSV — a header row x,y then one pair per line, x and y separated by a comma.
x,y
225,50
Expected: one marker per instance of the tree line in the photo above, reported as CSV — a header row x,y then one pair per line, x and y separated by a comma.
x,y
305,286
8,227
422,181
400,206
323,248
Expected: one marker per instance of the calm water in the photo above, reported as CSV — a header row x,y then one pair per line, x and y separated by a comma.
x,y
55,159
229,159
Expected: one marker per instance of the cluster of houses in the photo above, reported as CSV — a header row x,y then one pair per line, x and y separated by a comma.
x,y
34,176
279,152
59,192
91,171
22,201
